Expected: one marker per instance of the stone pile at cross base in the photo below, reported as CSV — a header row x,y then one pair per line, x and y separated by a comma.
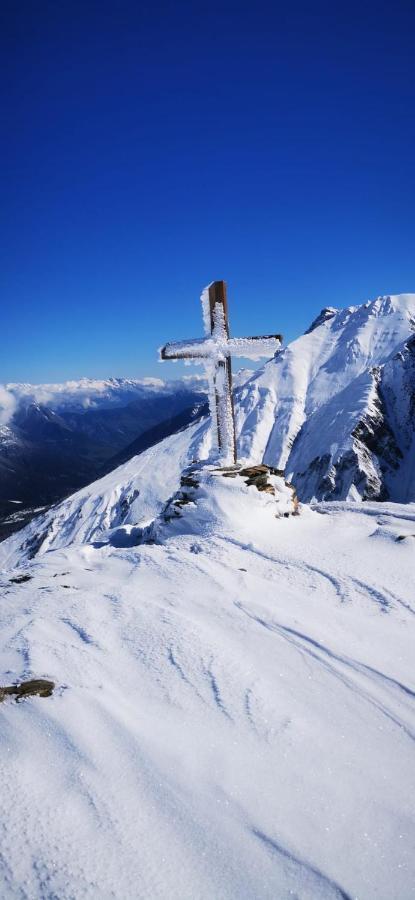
x,y
214,502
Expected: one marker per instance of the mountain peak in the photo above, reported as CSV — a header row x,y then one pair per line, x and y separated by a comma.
x,y
326,313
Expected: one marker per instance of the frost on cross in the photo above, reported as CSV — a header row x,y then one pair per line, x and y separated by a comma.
x,y
214,352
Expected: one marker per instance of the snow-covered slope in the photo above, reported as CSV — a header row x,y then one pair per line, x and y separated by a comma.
x,y
335,408
233,715
132,494
48,452
234,710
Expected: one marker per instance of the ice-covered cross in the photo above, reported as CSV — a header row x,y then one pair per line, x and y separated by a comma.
x,y
214,352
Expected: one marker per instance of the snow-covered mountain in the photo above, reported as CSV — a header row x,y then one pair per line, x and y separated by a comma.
x,y
336,408
234,706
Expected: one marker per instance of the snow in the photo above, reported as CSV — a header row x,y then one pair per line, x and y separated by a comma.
x,y
233,718
336,421
234,712
218,346
214,502
254,347
205,301
7,436
132,494
285,412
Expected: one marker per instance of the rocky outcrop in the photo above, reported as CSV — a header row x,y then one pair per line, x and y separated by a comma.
x,y
210,499
362,459
326,313
266,479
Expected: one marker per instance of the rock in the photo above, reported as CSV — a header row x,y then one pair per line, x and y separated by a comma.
x,y
206,501
36,687
253,471
189,481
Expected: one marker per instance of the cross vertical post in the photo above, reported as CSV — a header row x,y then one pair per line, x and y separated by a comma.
x,y
214,352
222,377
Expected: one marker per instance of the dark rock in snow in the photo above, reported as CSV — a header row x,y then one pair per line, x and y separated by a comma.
x,y
39,687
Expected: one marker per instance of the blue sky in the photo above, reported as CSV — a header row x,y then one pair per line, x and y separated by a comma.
x,y
151,148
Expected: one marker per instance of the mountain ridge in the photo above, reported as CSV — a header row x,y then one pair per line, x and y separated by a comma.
x,y
298,397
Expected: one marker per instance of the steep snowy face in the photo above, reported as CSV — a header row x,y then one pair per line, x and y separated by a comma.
x,y
319,409
398,392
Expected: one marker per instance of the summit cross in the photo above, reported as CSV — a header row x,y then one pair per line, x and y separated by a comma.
x,y
214,352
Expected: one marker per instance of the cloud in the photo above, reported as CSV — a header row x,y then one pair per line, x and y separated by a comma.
x,y
72,396
89,393
8,404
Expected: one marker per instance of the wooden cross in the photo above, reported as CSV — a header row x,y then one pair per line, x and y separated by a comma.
x,y
215,351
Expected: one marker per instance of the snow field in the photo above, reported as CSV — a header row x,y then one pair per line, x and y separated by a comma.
x,y
233,718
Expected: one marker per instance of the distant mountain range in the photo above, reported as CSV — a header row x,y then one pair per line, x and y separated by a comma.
x,y
56,438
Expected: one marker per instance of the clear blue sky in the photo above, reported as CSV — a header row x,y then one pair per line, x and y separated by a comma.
x,y
149,148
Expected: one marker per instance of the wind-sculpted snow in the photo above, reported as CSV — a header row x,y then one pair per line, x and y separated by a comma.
x,y
233,717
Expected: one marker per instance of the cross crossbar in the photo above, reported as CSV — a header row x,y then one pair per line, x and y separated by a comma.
x,y
215,351
204,348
